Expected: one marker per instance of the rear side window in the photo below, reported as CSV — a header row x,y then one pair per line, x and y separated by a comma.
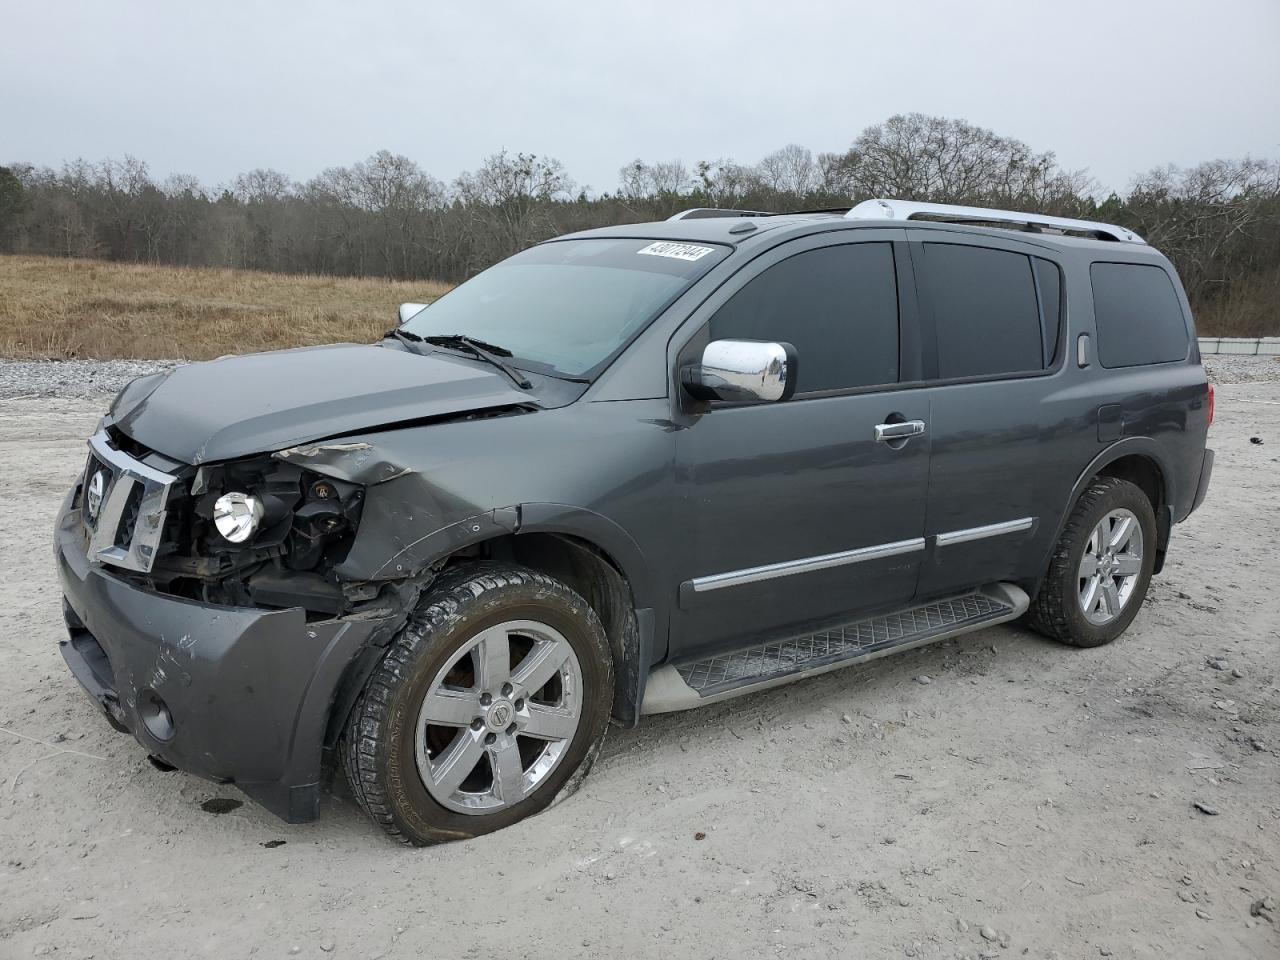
x,y
1049,279
837,305
1138,315
985,311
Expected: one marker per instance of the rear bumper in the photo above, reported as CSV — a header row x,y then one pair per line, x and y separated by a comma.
x,y
235,695
1202,488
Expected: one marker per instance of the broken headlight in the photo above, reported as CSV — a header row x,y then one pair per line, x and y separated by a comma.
x,y
264,509
237,516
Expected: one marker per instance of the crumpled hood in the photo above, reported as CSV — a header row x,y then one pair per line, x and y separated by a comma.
x,y
236,406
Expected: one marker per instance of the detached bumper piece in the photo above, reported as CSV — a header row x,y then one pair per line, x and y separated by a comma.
x,y
771,663
231,694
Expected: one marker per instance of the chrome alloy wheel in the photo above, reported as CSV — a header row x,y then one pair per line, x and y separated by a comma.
x,y
1110,567
489,733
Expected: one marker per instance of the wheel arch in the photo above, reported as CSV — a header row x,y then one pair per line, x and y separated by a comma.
x,y
1140,461
599,579
589,552
602,563
1143,472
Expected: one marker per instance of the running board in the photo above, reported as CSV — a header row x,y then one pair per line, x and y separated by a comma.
x,y
681,686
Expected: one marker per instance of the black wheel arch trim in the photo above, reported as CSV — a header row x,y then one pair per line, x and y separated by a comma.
x,y
642,642
642,639
1125,447
605,534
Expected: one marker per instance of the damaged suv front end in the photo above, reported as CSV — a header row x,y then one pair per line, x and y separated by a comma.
x,y
222,658
250,535
212,605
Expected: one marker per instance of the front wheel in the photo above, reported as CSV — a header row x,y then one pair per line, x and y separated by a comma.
x,y
1101,567
492,701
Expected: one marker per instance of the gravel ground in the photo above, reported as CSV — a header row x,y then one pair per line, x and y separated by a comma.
x,y
72,378
103,378
1229,369
1029,800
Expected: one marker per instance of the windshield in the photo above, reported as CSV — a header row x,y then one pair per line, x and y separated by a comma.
x,y
566,308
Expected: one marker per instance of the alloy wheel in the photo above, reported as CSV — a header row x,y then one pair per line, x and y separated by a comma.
x,y
498,718
1110,567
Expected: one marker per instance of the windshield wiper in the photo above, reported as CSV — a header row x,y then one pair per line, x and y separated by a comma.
x,y
405,336
487,352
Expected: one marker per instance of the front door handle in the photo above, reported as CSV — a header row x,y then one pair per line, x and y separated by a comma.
x,y
899,431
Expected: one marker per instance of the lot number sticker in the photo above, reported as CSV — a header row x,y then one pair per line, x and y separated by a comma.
x,y
677,251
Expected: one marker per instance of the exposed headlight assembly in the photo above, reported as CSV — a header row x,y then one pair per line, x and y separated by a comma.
x,y
237,516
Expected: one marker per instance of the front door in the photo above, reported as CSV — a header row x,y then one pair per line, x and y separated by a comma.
x,y
797,515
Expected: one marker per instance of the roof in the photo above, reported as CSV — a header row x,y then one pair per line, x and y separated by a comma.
x,y
728,227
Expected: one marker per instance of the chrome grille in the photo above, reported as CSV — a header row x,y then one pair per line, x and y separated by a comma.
x,y
130,520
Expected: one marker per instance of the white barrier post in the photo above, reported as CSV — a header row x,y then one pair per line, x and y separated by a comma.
x,y
1241,346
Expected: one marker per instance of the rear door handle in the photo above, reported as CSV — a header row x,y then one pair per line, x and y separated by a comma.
x,y
899,431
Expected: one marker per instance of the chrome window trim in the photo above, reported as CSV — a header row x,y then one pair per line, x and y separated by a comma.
x,y
980,533
139,553
770,571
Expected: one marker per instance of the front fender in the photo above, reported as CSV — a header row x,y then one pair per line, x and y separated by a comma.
x,y
603,533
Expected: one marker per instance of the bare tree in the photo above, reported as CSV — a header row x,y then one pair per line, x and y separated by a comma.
x,y
384,216
12,205
510,199
664,178
948,161
262,185
791,170
1219,221
726,183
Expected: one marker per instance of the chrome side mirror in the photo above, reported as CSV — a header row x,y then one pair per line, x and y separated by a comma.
x,y
742,370
410,310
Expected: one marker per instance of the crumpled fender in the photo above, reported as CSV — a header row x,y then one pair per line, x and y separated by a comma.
x,y
414,518
355,461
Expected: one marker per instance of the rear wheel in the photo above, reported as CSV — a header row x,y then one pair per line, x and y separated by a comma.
x,y
491,702
1101,567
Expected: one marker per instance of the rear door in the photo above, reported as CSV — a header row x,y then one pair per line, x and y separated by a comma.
x,y
993,330
795,513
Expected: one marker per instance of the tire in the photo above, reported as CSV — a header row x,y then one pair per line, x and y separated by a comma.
x,y
404,782
1059,609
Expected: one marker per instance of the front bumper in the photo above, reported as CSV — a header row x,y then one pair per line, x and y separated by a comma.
x,y
236,695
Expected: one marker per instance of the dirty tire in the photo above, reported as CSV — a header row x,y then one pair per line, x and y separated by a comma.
x,y
1056,612
378,745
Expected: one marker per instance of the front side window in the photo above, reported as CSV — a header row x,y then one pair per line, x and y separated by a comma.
x,y
566,308
1138,315
985,311
838,306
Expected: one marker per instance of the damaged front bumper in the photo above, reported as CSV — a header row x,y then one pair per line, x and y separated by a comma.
x,y
233,694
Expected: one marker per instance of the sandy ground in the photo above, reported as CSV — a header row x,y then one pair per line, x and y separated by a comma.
x,y
1042,792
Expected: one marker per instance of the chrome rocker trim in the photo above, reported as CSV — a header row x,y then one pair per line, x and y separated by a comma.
x,y
980,533
734,578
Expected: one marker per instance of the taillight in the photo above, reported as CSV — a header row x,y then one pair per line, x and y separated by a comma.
x,y
1211,404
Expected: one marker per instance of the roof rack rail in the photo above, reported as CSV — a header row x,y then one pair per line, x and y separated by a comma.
x,y
910,210
707,213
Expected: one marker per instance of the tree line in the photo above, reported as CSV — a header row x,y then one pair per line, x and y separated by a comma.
x,y
385,216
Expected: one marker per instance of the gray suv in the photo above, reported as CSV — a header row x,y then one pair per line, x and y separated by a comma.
x,y
628,471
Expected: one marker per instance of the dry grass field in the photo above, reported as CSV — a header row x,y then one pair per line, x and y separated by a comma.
x,y
63,309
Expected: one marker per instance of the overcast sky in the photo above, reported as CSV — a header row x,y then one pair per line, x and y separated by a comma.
x,y
214,89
